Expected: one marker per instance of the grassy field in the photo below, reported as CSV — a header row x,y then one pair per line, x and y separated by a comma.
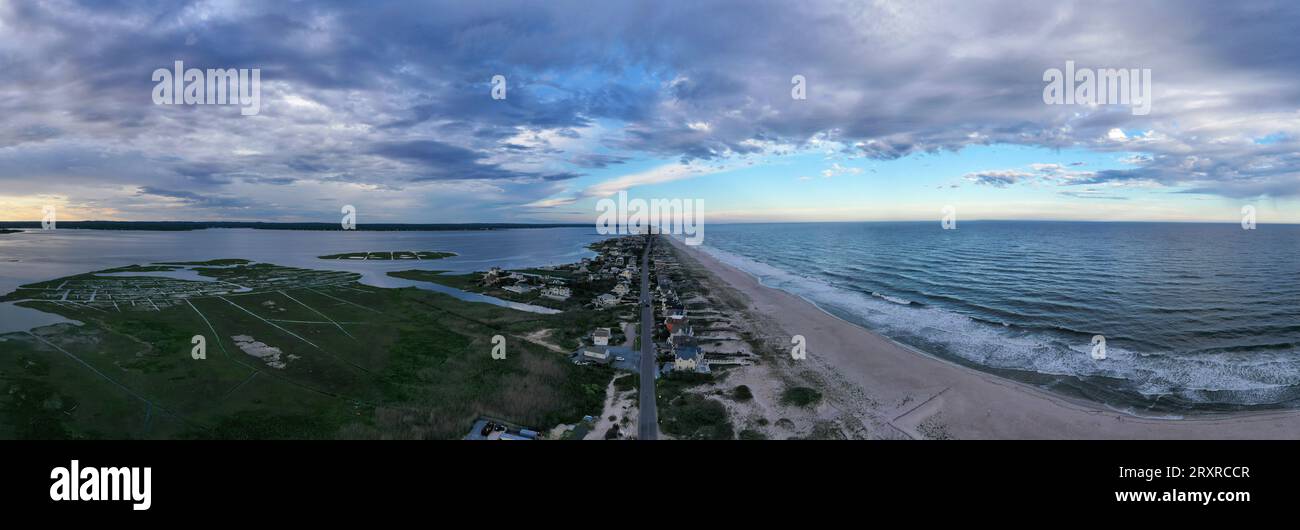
x,y
349,361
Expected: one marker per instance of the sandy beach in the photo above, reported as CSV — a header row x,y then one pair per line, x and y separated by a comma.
x,y
894,392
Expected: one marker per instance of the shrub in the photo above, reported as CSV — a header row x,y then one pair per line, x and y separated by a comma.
x,y
742,393
800,396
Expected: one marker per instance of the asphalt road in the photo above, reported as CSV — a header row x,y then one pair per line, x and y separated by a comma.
x,y
649,421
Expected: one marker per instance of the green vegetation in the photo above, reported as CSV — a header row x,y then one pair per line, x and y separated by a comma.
x,y
464,282
800,396
555,273
742,393
391,255
142,268
214,262
292,353
688,415
625,383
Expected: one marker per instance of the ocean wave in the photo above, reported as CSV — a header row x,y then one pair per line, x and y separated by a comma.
x,y
1221,378
894,299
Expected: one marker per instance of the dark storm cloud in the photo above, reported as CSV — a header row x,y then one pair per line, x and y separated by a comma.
x,y
196,199
597,160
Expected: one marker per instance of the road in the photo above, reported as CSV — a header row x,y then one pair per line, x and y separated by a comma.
x,y
649,421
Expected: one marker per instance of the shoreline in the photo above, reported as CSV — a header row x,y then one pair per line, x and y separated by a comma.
x,y
894,389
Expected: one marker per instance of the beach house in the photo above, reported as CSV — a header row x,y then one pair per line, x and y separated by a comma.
x,y
601,336
557,293
606,300
521,287
595,354
621,289
686,356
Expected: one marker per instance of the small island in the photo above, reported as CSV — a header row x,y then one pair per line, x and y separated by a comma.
x,y
209,263
391,255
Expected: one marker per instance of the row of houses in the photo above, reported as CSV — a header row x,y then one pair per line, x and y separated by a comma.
x,y
686,354
522,283
620,292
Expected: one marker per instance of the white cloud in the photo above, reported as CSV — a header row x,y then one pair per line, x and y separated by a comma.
x,y
658,175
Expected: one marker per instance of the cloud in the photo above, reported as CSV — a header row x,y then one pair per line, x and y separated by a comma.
x,y
396,95
999,178
551,203
194,199
439,161
657,175
837,169
1091,193
597,160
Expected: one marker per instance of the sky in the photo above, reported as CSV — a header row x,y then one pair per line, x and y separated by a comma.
x,y
909,107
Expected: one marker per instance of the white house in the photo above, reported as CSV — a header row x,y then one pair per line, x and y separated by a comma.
x,y
686,358
600,337
607,300
621,289
519,288
557,293
598,354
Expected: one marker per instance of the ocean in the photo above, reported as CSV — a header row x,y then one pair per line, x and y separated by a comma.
x,y
1194,316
